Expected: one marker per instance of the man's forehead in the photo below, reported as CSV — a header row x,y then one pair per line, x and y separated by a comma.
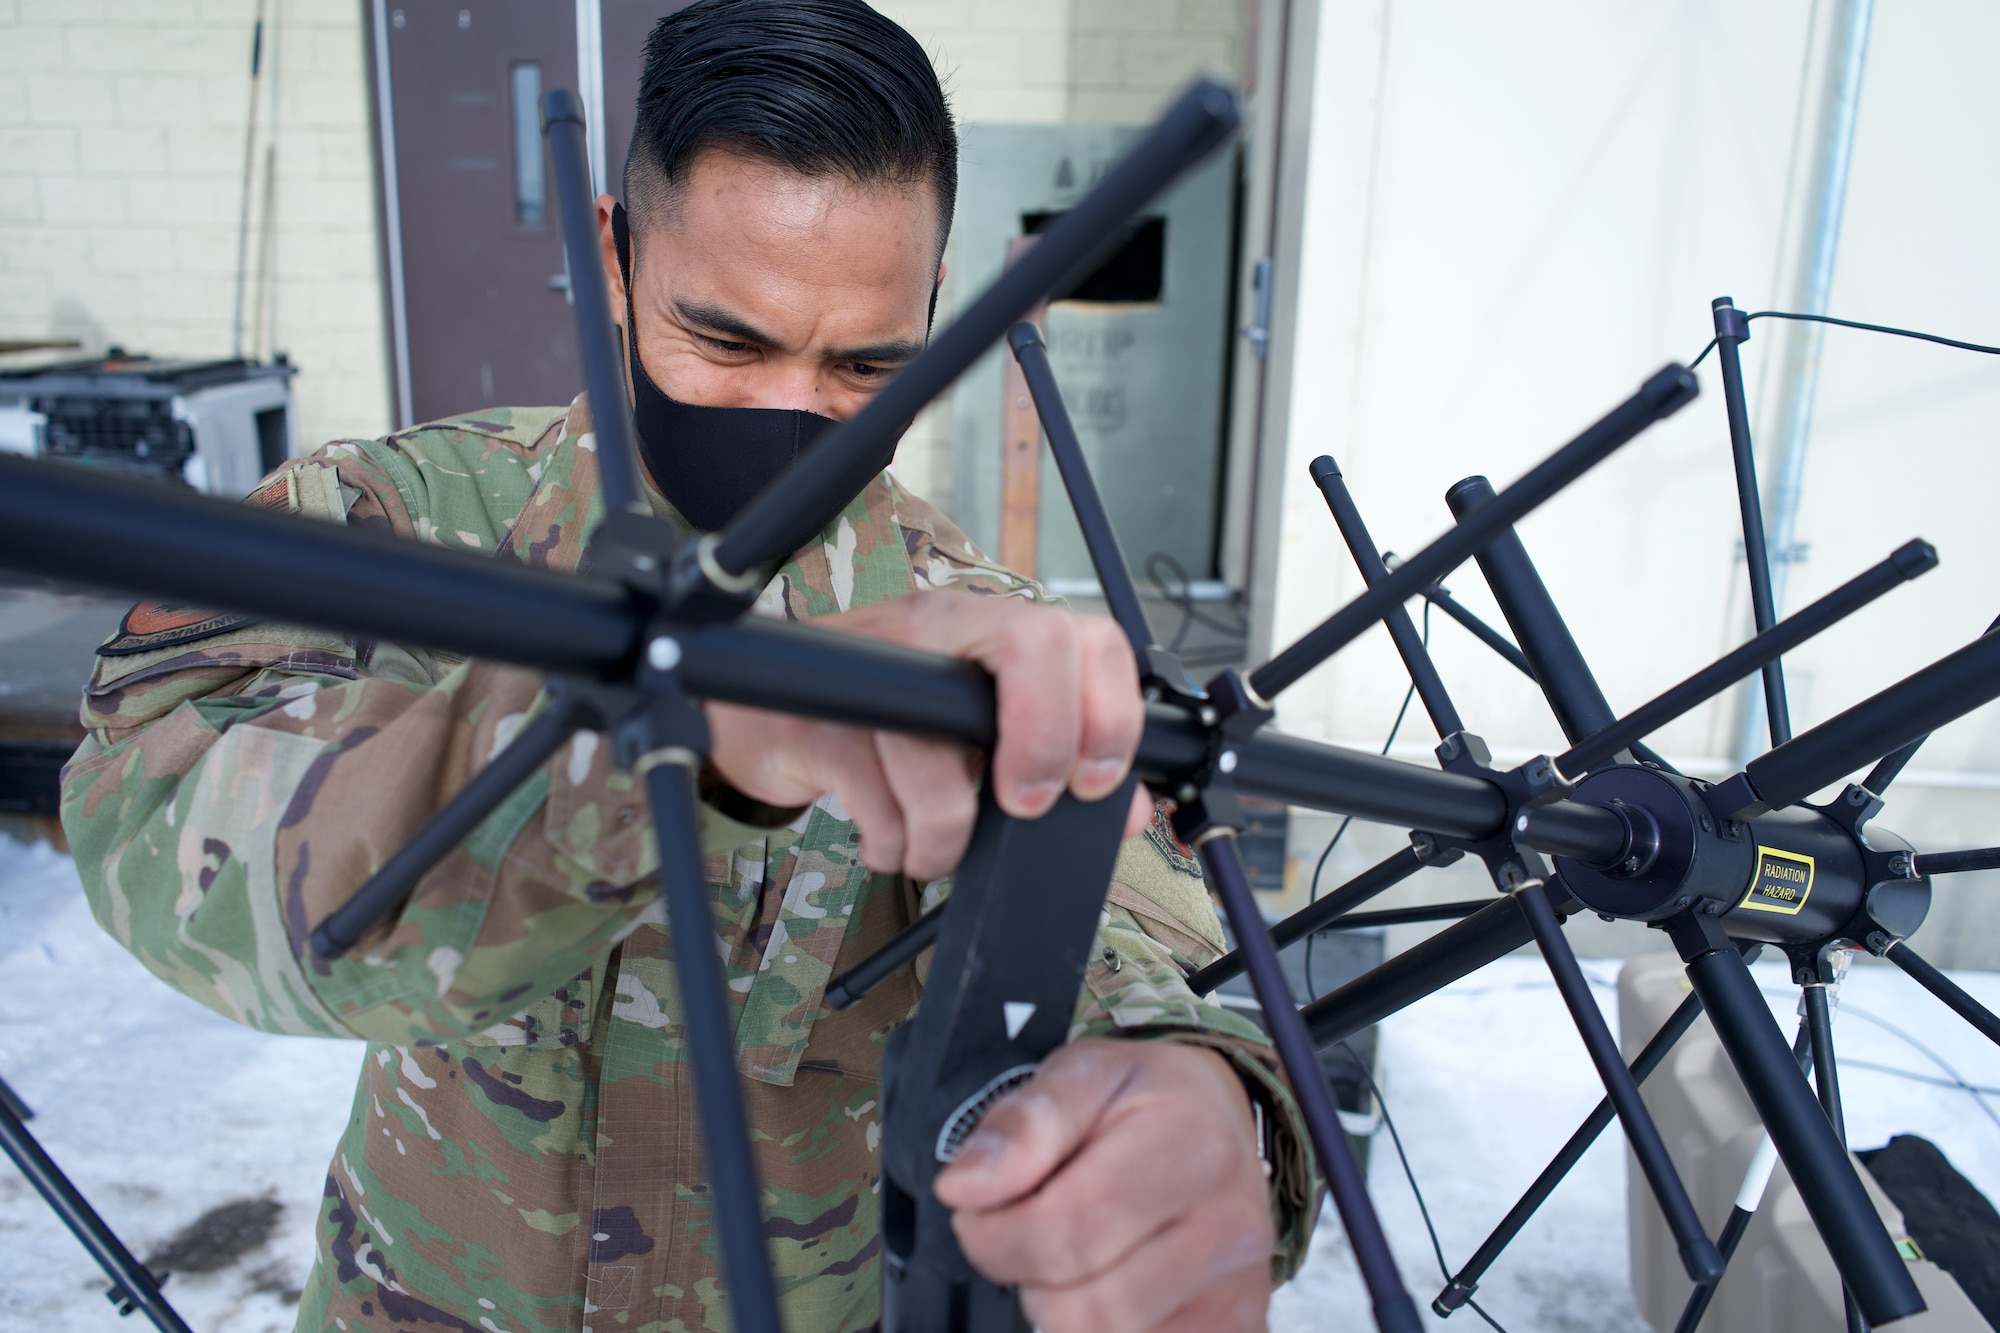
x,y
794,255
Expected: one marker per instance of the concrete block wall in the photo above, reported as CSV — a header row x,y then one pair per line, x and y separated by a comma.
x,y
122,134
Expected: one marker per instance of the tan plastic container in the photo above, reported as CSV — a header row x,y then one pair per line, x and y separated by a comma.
x,y
1782,1280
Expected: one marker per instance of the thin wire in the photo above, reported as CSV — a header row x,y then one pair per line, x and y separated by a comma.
x,y
1312,895
1976,1089
1927,1052
1184,599
1423,1208
1852,324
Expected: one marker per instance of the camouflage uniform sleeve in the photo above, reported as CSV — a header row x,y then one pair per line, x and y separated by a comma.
x,y
236,787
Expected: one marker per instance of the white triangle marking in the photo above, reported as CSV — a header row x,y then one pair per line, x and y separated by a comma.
x,y
1018,1014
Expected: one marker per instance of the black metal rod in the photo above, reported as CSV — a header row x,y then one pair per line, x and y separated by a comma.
x,y
1911,560
1394,1310
1942,986
80,525
1915,706
390,887
132,1285
1826,1079
596,330
1952,863
850,987
1661,396
1891,766
1368,559
1698,1256
1493,932
822,482
1725,1245
734,1194
1818,1164
1440,597
11,1100
1464,1282
1409,916
1748,1196
1572,691
1114,576
1731,329
1377,879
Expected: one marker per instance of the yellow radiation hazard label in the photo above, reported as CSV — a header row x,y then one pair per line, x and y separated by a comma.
x,y
1782,883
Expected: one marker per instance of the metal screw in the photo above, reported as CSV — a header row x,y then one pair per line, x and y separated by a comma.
x,y
1423,843
663,653
1857,795
1448,747
1187,793
1207,716
1900,863
645,564
1226,761
1707,824
1606,916
1631,865
1520,824
1682,901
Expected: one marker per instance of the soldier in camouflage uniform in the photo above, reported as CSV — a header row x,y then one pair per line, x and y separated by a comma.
x,y
522,1151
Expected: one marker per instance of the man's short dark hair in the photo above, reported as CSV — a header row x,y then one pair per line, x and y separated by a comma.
x,y
822,87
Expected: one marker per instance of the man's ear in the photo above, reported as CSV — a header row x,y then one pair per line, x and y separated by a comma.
x,y
607,253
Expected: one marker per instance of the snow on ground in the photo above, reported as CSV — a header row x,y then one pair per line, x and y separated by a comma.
x,y
162,1111
1487,1078
158,1109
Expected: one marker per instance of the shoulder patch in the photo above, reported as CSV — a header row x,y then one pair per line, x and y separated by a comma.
x,y
154,624
1160,832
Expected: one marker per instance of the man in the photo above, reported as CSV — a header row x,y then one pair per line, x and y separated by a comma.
x,y
522,1152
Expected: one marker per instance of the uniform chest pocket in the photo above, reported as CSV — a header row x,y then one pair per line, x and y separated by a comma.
x,y
554,1022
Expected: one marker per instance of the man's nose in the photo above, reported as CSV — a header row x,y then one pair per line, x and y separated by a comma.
x,y
793,384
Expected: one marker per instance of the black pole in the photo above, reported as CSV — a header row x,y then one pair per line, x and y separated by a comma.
x,y
1732,329
1915,706
1952,863
1440,597
734,1193
1665,393
852,986
1573,694
1891,766
81,525
596,330
390,887
1368,559
132,1286
1466,1281
1492,932
1826,1078
1394,1311
1818,1164
1911,560
1947,990
847,458
1375,880
1698,1256
1749,1195
1114,576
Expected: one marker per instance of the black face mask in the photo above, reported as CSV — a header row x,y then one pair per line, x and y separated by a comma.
x,y
708,461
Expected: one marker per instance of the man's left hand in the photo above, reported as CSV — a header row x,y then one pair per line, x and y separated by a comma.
x,y
1120,1190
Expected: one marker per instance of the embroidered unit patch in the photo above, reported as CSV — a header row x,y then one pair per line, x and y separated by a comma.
x,y
155,624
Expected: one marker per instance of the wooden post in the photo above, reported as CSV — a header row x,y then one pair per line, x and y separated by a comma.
x,y
1020,450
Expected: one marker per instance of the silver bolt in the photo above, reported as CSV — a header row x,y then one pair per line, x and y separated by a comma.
x,y
645,564
1207,716
1227,761
1520,824
1631,865
663,653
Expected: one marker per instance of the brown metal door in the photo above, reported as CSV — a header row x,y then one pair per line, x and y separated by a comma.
x,y
627,23
484,317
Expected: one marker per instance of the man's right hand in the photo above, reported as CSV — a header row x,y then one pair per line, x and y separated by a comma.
x,y
1070,716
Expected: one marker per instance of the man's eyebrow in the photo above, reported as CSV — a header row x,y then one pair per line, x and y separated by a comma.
x,y
895,353
717,320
